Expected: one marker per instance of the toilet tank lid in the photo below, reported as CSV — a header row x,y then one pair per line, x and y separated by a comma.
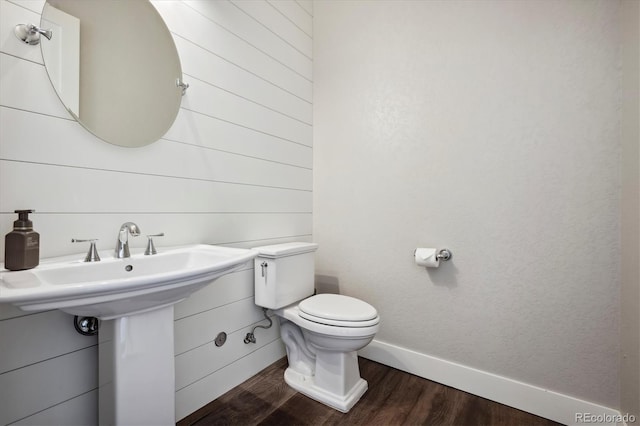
x,y
285,249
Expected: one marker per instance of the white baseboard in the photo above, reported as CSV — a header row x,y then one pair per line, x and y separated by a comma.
x,y
541,402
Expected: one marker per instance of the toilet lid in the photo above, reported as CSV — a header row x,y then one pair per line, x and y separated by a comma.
x,y
336,309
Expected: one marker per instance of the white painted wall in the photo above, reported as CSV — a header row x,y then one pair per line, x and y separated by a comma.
x,y
235,169
490,128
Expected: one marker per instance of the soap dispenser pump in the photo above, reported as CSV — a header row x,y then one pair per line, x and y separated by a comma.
x,y
22,245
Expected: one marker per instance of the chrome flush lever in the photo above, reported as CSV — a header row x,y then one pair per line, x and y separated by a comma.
x,y
264,266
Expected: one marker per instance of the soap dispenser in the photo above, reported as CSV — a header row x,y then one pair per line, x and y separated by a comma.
x,y
22,245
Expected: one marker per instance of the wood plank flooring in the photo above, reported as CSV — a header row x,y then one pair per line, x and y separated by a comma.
x,y
394,398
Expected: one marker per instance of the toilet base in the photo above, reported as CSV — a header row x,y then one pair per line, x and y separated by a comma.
x,y
306,385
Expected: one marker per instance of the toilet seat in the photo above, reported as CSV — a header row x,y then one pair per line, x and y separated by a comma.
x,y
292,313
338,311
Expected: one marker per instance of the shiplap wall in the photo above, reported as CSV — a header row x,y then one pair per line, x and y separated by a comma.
x,y
235,169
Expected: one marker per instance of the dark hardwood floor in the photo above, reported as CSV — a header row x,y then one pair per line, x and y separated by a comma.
x,y
393,398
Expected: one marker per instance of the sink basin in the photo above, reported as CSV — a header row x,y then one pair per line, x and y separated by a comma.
x,y
114,287
134,297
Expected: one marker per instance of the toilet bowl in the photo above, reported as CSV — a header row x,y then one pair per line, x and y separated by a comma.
x,y
323,360
322,333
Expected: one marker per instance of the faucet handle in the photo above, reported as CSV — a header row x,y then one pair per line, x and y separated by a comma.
x,y
92,254
151,248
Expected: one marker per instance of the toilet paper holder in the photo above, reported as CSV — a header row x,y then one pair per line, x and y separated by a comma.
x,y
444,254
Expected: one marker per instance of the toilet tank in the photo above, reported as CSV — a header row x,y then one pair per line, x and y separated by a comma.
x,y
284,274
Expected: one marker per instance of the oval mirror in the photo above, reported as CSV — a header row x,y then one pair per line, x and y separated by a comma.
x,y
115,67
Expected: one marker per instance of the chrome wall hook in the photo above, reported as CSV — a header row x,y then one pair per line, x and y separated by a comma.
x,y
30,34
184,86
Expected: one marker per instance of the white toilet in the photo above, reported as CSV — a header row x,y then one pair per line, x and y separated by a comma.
x,y
321,333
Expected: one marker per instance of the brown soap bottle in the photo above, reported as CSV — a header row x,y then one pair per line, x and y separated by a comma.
x,y
22,245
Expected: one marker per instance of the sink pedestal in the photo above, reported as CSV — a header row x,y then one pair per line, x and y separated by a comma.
x,y
136,369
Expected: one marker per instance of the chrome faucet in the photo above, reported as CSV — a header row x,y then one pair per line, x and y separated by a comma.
x,y
122,244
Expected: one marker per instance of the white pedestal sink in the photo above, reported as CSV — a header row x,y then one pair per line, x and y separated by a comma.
x,y
134,298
